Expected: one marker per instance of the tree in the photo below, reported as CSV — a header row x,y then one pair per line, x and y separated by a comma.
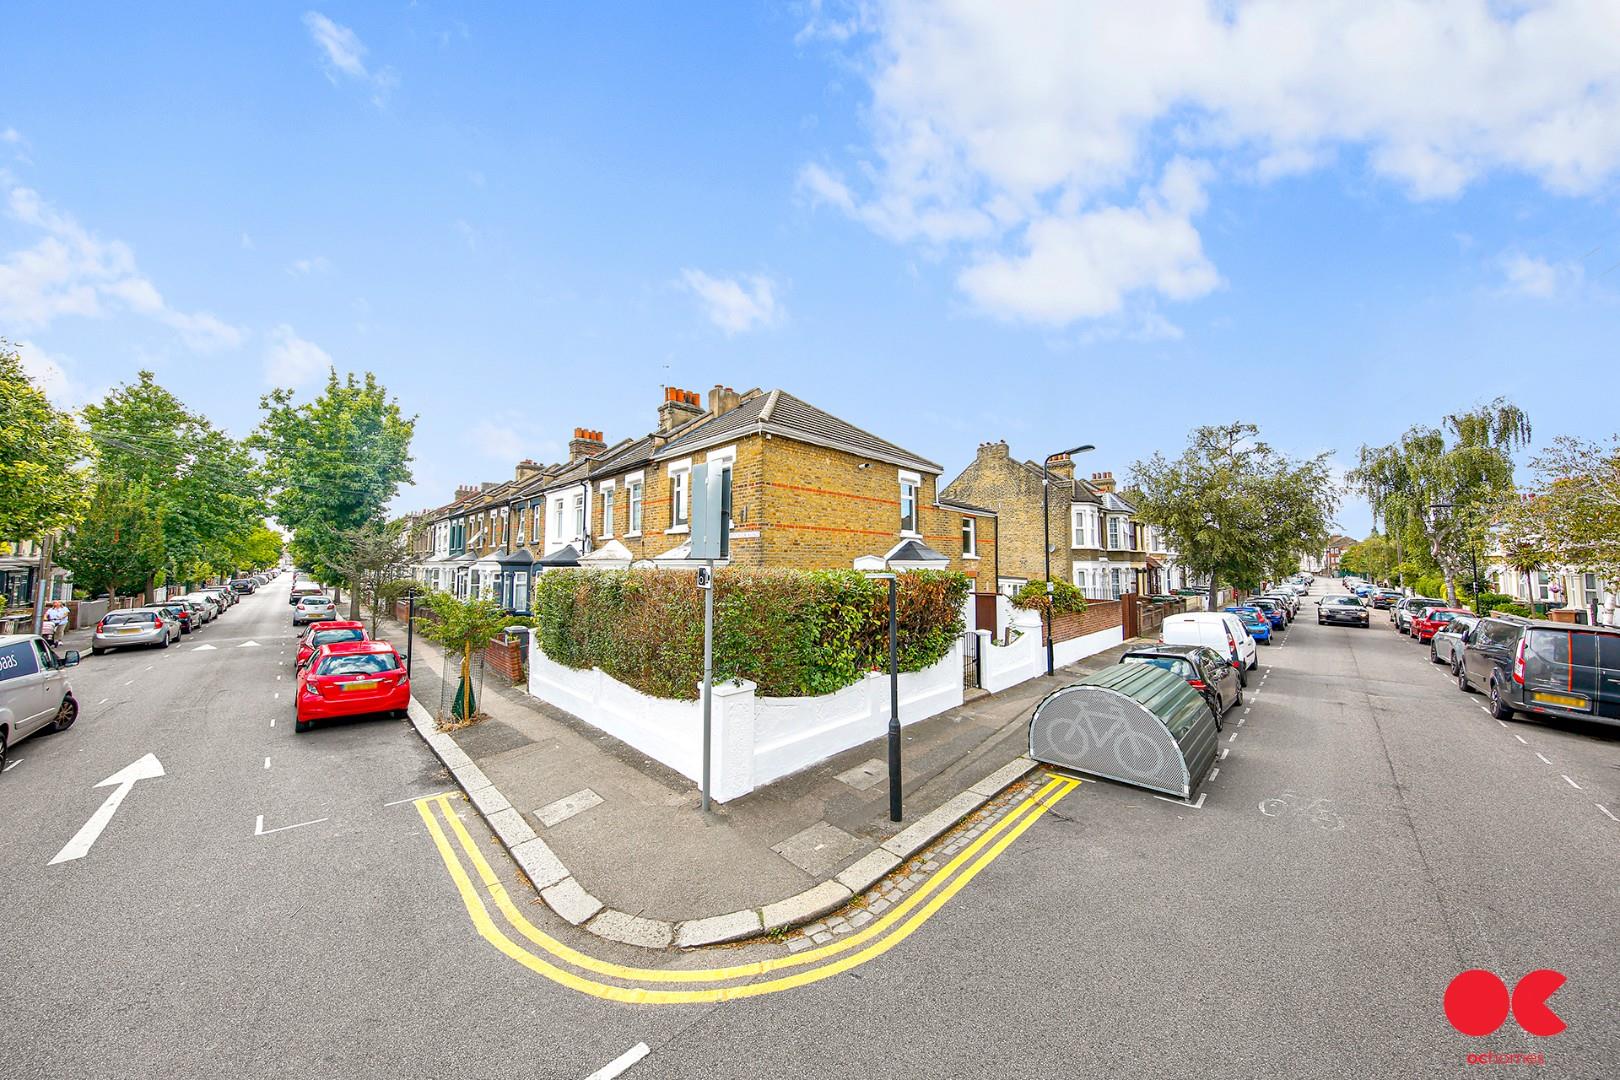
x,y
261,546
202,484
44,457
1373,558
373,554
1446,480
118,546
1519,532
1577,507
334,464
464,625
1235,509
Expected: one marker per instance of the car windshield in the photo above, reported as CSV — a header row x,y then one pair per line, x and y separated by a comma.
x,y
359,664
1341,601
327,637
1173,664
118,617
312,601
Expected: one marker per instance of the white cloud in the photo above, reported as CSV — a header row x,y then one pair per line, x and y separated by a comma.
x,y
291,360
48,374
11,136
345,57
502,442
315,264
735,305
1525,275
1008,131
247,242
71,271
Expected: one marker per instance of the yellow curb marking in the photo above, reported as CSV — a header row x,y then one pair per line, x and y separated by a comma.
x,y
1025,816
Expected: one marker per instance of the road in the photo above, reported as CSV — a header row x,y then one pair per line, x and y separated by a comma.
x,y
1370,834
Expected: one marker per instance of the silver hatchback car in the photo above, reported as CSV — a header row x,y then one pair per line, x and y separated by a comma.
x,y
313,608
34,690
135,626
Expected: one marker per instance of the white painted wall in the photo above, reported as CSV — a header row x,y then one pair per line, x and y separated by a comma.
x,y
754,740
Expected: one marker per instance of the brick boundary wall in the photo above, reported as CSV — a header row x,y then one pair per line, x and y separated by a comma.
x,y
505,657
1099,615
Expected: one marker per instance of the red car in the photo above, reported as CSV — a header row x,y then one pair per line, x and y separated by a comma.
x,y
351,678
1432,621
327,633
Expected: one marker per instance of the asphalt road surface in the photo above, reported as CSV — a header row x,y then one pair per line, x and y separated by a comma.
x,y
275,906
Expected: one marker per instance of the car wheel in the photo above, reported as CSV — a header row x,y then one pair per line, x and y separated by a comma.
x,y
1243,677
65,715
1434,657
301,726
1499,708
2,750
1462,680
94,651
1239,699
165,642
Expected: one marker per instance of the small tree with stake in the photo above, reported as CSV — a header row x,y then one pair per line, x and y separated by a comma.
x,y
464,625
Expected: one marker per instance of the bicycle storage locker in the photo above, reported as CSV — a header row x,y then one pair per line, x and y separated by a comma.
x,y
1134,723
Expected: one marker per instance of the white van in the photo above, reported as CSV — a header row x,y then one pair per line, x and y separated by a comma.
x,y
1221,631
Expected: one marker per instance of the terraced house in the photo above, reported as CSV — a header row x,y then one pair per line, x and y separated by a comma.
x,y
808,491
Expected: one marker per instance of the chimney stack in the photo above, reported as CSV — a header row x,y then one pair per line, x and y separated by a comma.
x,y
722,399
994,451
466,491
679,407
526,468
586,443
1061,468
1103,481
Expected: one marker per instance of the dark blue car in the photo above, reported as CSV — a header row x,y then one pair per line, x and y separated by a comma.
x,y
1254,621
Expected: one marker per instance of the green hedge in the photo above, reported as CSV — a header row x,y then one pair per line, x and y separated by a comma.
x,y
793,633
1066,598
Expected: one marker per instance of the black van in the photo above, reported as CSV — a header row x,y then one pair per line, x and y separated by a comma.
x,y
1543,668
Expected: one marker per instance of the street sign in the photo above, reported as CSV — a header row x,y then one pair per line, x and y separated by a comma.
x,y
705,578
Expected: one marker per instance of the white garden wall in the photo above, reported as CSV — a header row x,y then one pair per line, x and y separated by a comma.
x,y
754,740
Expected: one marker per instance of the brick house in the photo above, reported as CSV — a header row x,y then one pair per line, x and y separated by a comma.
x,y
809,491
1097,543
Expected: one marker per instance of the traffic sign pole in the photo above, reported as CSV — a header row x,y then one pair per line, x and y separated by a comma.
x,y
708,668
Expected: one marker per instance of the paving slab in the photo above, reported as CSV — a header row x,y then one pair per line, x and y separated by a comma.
x,y
819,849
566,807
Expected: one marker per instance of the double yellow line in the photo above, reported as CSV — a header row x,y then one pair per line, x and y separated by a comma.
x,y
831,959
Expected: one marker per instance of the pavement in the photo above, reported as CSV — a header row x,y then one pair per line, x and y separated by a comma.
x,y
633,834
1372,832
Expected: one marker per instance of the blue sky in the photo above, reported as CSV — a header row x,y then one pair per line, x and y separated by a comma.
x,y
1063,224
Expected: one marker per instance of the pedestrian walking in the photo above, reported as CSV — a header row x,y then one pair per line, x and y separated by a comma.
x,y
56,621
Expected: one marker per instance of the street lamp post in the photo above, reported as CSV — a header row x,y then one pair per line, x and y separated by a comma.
x,y
1046,535
410,628
894,694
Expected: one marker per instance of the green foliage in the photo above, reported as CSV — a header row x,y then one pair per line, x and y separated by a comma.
x,y
1576,510
198,483
1373,559
793,633
118,546
44,457
333,464
1065,597
1493,601
1428,585
463,626
1234,509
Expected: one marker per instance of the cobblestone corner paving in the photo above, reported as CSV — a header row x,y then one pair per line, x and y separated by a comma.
x,y
569,899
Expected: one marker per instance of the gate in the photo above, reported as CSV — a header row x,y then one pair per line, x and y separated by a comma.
x,y
970,662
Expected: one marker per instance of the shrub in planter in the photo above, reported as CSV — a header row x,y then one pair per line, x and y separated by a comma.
x,y
1065,597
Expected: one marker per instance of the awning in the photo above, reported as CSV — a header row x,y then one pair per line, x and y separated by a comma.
x,y
520,557
567,555
915,555
1154,564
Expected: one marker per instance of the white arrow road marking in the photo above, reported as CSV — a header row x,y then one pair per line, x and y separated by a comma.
x,y
260,830
619,1064
202,648
146,768
248,645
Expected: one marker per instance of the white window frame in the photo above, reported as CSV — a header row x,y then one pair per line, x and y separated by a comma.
x,y
558,508
608,497
915,482
582,516
635,503
680,495
1113,532
970,537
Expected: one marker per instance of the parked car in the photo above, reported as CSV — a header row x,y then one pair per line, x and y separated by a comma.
x,y
1342,611
1402,613
1445,647
34,691
241,586
351,678
1543,668
1384,599
313,607
305,588
1219,630
201,613
1205,670
1254,622
133,626
180,613
216,606
223,593
1431,621
1273,610
327,633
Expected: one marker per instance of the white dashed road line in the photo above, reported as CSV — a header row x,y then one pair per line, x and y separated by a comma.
x,y
1606,813
267,763
1521,738
260,830
619,1064
1545,760
1571,783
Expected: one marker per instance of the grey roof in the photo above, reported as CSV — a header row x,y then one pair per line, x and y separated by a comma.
x,y
1079,490
568,555
635,452
519,557
914,551
958,504
780,413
